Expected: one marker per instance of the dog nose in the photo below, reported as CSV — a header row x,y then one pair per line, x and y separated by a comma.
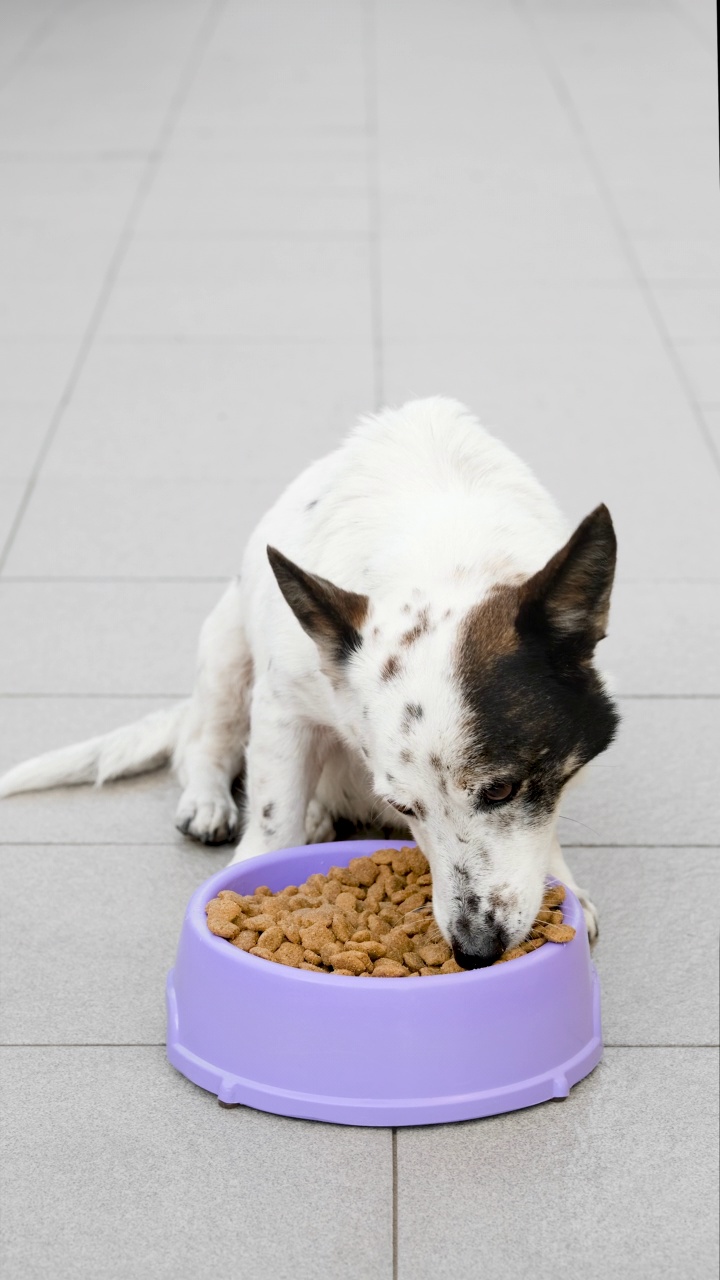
x,y
479,949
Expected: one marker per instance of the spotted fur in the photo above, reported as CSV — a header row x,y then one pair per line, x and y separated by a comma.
x,y
432,635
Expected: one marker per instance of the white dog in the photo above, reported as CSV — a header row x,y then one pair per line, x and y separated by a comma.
x,y
426,651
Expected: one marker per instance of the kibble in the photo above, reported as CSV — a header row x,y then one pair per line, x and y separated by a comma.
x,y
372,918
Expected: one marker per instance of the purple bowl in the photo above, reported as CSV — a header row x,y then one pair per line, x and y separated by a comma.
x,y
389,1051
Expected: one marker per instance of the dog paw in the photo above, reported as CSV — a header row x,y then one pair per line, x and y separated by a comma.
x,y
590,913
319,825
211,819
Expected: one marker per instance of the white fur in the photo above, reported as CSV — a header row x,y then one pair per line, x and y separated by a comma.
x,y
419,507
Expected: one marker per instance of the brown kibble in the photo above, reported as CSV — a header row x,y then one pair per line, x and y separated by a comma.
x,y
245,940
288,953
375,950
341,926
559,932
418,864
395,944
382,857
263,921
223,928
554,896
435,953
223,909
329,950
262,953
290,927
316,936
364,870
386,968
412,903
271,938
401,862
532,944
373,917
355,961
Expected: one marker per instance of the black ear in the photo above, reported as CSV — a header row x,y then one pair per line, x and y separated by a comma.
x,y
569,599
332,617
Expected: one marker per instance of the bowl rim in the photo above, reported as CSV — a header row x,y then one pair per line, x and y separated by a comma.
x,y
196,918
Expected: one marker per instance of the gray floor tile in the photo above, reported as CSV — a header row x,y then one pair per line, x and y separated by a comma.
x,y
618,1179
11,493
136,811
702,366
101,81
22,26
656,987
656,784
186,411
51,282
231,197
291,290
89,527
47,195
158,1180
23,430
99,637
663,638
690,312
422,303
98,975
34,371
587,417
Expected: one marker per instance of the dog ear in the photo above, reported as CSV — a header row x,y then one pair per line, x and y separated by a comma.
x,y
569,599
330,616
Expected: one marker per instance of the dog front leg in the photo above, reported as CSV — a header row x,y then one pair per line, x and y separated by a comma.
x,y
284,762
560,869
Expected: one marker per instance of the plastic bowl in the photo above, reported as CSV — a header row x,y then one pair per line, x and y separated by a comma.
x,y
385,1051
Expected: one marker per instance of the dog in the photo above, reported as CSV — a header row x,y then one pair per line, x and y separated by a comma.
x,y
410,640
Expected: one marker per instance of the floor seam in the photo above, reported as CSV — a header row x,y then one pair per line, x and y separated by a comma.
x,y
373,198
624,238
154,159
33,41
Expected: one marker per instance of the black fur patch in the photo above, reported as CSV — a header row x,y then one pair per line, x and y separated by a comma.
x,y
391,668
528,714
330,615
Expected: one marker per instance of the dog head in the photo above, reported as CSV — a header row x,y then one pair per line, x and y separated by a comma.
x,y
473,719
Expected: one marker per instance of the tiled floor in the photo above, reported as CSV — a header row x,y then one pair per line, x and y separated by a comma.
x,y
226,227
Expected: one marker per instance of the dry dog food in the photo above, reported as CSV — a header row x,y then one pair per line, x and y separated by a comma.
x,y
371,919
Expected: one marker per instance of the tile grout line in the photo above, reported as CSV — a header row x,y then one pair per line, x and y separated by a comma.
x,y
566,101
33,41
210,849
154,159
688,22
619,697
373,197
394,1148
160,1044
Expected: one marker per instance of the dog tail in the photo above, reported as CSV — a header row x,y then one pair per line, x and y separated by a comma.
x,y
135,748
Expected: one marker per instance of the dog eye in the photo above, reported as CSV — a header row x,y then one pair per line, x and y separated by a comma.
x,y
496,792
408,813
